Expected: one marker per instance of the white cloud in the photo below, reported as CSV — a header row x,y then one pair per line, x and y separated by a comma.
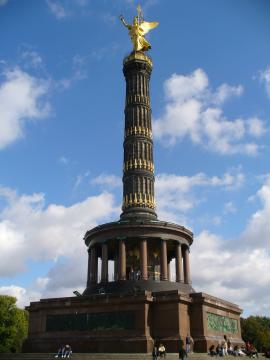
x,y
229,270
193,110
21,100
174,192
237,269
57,9
229,208
80,178
107,180
3,2
64,160
32,58
264,77
34,231
79,66
225,91
257,232
63,9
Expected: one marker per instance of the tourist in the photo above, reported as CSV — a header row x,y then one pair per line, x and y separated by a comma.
x,y
162,350
182,353
224,346
60,352
238,351
67,351
212,351
219,351
189,341
253,352
155,353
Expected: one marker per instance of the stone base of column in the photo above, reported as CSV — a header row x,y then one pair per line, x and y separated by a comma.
x,y
129,318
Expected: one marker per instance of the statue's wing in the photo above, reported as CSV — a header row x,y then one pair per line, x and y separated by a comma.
x,y
147,26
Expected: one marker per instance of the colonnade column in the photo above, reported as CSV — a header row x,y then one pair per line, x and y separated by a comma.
x,y
178,263
89,267
186,265
143,259
169,271
116,265
164,261
93,265
122,260
104,263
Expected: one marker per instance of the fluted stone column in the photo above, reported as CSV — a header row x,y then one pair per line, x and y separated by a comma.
x,y
104,263
122,261
138,167
93,265
89,267
186,265
178,263
164,261
169,271
115,266
143,259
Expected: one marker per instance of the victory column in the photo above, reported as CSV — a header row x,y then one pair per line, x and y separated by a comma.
x,y
142,304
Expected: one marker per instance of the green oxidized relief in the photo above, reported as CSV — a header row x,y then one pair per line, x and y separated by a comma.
x,y
221,323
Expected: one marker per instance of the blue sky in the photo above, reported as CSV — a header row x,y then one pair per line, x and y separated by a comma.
x,y
61,132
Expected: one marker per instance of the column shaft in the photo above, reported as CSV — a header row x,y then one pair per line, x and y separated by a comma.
x,y
122,260
104,264
169,271
143,259
163,261
93,265
88,268
178,263
186,266
116,266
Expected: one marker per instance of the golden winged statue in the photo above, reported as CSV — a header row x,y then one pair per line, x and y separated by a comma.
x,y
138,29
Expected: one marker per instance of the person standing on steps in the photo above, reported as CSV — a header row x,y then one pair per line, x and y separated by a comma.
x,y
182,353
189,342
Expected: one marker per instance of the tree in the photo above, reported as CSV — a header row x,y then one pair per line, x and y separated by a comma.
x,y
256,329
13,325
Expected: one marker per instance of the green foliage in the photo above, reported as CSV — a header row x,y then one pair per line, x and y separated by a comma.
x,y
13,325
256,329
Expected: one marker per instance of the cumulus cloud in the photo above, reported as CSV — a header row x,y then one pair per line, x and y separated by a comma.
x,y
234,269
22,99
229,270
62,10
174,192
57,9
32,58
195,111
258,230
107,180
264,77
3,2
35,231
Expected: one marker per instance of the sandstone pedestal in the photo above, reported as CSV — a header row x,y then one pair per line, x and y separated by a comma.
x,y
131,323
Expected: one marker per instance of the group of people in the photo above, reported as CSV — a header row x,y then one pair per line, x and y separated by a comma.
x,y
184,348
225,348
64,351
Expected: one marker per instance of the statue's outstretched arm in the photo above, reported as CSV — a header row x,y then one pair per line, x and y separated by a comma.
x,y
121,17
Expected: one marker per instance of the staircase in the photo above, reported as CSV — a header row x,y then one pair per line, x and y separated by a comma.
x,y
76,356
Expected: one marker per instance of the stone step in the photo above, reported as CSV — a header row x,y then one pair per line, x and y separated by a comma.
x,y
76,356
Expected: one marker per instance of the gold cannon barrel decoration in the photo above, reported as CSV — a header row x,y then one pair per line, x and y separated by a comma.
x,y
135,164
139,199
138,130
